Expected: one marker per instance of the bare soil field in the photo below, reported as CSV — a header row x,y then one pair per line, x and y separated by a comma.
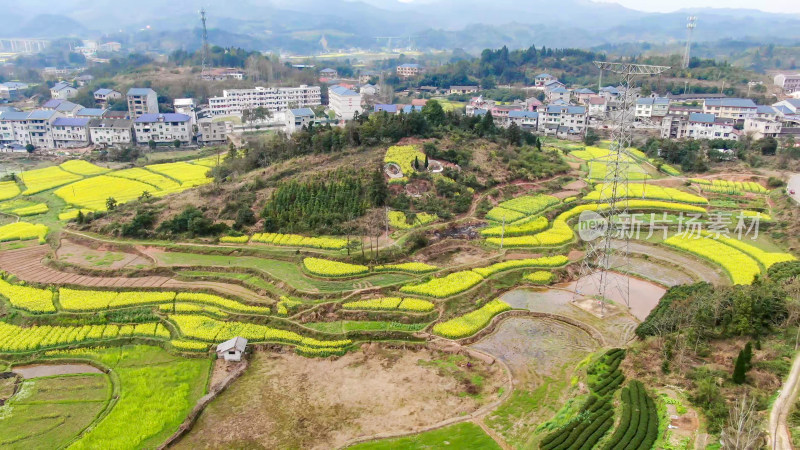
x,y
288,401
100,258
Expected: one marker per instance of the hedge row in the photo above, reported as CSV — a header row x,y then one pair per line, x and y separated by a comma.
x,y
596,416
638,427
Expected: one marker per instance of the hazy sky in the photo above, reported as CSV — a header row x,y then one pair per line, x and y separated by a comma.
x,y
777,6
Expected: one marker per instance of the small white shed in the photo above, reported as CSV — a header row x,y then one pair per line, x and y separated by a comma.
x,y
232,349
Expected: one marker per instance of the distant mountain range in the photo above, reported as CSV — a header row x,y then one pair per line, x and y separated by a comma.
x,y
298,25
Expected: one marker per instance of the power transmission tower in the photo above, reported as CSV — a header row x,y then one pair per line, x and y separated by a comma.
x,y
608,245
691,24
205,43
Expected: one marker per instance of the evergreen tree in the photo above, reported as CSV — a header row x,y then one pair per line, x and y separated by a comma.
x,y
416,163
748,356
426,161
740,368
378,191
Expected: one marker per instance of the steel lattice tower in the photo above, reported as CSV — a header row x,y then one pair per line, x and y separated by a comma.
x,y
205,42
691,24
597,263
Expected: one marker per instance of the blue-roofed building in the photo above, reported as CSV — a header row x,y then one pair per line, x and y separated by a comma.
x,y
103,96
609,92
70,132
12,90
556,92
574,118
702,118
542,79
344,102
65,107
142,101
528,120
792,104
298,118
730,108
389,108
651,107
329,73
163,128
28,127
479,112
92,113
408,70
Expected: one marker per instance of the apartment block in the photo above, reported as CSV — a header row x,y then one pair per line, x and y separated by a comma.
x,y
234,101
343,101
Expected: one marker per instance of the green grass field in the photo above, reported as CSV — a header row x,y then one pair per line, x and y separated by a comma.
x,y
459,436
49,412
156,391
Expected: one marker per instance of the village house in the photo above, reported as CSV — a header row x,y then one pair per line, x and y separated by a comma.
x,y
651,108
761,127
63,91
103,96
163,128
789,83
70,132
110,132
526,120
408,70
597,106
232,349
582,95
574,118
730,108
142,101
210,133
542,79
557,93
298,118
463,89
65,107
328,74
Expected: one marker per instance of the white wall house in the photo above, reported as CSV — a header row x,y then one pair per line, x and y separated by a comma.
x,y
789,83
650,107
163,128
761,128
186,106
232,349
110,132
103,96
408,70
70,132
730,108
344,102
298,118
542,79
701,126
142,101
528,120
572,117
63,91
234,101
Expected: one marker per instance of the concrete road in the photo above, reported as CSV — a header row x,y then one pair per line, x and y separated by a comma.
x,y
794,183
779,437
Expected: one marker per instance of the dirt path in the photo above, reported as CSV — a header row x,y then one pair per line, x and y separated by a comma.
x,y
26,264
779,436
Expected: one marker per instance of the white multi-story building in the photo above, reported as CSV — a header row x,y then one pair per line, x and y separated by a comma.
x,y
651,107
40,123
296,119
557,93
597,106
110,132
761,128
344,102
14,127
163,128
70,132
789,83
572,117
730,108
103,96
142,101
63,91
234,101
